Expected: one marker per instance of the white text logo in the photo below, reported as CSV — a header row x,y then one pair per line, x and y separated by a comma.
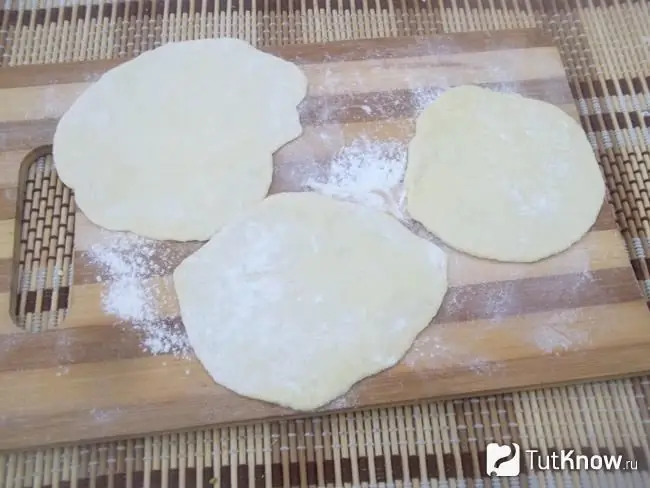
x,y
569,460
503,460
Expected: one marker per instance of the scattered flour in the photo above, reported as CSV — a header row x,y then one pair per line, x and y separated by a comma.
x,y
560,337
369,172
433,350
126,261
62,370
105,416
561,334
558,334
424,96
348,400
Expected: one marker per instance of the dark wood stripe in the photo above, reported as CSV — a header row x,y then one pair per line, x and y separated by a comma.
x,y
614,120
242,475
314,111
224,479
404,103
294,473
260,474
413,463
27,134
607,87
62,347
388,48
637,267
380,469
467,460
32,304
473,302
276,474
432,466
535,295
606,219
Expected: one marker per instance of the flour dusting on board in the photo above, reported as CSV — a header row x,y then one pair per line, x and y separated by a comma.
x,y
126,261
555,338
347,400
433,351
561,333
368,172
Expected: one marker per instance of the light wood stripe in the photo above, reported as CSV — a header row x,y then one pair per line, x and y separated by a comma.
x,y
9,164
7,241
86,307
8,203
597,251
99,344
26,135
20,136
473,335
480,301
600,249
7,324
38,102
162,392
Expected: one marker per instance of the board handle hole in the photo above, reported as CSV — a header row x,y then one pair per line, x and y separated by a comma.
x,y
43,257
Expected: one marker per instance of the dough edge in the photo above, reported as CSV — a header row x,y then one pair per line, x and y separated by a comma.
x,y
84,193
414,181
181,278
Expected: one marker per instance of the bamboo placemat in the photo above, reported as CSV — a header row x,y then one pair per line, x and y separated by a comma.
x,y
605,46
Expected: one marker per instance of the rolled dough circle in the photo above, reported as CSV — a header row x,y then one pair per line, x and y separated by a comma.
x,y
174,143
501,176
306,295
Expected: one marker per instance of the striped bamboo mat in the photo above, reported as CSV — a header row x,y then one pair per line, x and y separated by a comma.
x,y
605,46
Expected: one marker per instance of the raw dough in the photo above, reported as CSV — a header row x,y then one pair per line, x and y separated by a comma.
x,y
501,176
179,140
306,295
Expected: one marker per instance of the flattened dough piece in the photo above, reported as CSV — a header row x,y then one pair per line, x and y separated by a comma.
x,y
173,144
305,296
501,176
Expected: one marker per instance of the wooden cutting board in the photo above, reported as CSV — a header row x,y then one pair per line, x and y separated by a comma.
x,y
575,316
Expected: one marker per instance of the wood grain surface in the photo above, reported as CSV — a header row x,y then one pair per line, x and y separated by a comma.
x,y
486,337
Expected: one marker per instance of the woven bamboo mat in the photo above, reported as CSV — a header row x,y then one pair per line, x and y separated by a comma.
x,y
605,46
